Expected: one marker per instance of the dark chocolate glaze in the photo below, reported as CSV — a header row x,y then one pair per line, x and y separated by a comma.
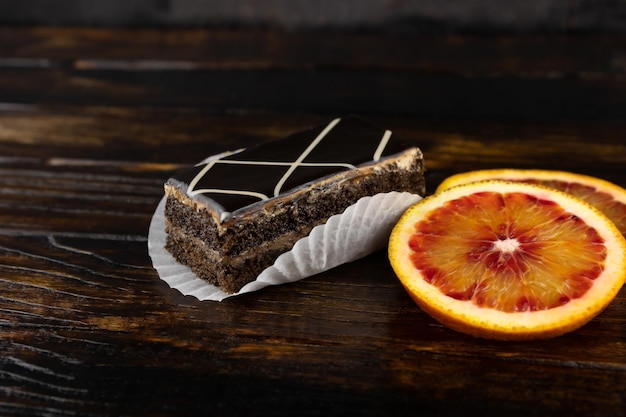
x,y
265,171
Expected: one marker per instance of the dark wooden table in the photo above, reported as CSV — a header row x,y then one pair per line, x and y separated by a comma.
x,y
92,122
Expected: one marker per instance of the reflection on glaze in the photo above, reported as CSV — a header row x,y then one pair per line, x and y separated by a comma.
x,y
256,174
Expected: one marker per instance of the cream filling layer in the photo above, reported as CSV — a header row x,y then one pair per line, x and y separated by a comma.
x,y
279,245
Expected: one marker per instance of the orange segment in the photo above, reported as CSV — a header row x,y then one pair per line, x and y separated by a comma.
x,y
607,197
508,260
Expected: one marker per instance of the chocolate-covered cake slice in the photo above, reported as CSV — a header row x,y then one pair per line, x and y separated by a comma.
x,y
230,218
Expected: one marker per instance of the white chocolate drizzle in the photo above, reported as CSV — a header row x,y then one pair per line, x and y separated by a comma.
x,y
304,154
382,145
292,166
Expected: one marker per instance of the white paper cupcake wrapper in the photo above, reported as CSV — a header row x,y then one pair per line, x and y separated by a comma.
x,y
360,230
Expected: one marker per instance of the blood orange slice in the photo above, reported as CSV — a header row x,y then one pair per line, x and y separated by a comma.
x,y
508,260
607,197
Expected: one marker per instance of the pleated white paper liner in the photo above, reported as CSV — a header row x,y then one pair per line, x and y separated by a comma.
x,y
360,230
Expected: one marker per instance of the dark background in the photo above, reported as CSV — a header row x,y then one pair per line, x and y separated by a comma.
x,y
101,101
520,16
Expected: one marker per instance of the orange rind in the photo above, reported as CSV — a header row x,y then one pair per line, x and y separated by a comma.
x,y
607,197
508,260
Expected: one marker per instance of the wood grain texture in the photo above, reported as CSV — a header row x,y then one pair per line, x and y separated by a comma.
x,y
228,71
86,326
187,49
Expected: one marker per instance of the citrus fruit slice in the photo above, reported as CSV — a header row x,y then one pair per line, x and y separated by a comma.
x,y
507,260
607,197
